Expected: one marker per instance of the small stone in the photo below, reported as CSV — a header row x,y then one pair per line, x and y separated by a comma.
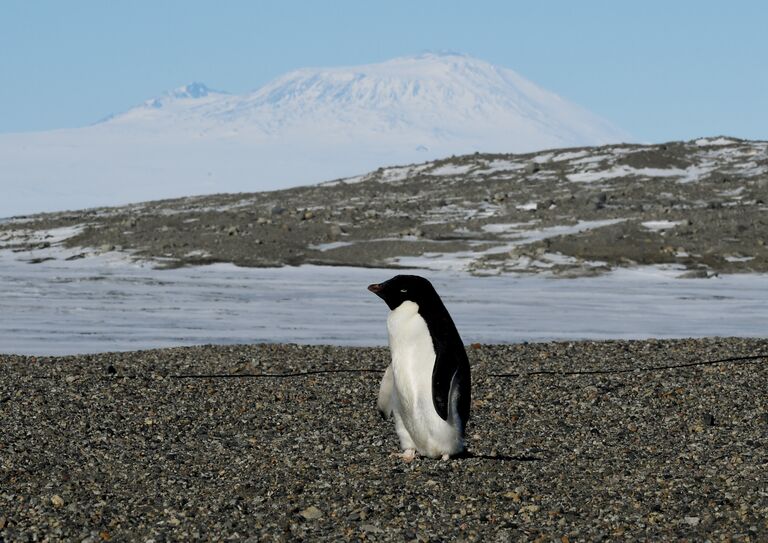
x,y
708,419
106,248
764,418
2,522
692,521
308,215
514,496
57,500
311,513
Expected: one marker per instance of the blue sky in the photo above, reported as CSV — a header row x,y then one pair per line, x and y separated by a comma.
x,y
659,70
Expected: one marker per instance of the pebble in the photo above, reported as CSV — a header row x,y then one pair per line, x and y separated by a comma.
x,y
311,513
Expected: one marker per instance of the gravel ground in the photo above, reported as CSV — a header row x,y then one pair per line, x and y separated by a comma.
x,y
114,447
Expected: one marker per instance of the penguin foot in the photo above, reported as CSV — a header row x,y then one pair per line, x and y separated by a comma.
x,y
408,455
446,457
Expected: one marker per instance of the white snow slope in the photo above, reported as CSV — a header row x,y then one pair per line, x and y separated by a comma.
x,y
307,126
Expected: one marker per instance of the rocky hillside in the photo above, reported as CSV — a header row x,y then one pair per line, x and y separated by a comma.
x,y
700,205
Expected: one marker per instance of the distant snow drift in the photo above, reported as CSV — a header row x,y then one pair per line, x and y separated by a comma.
x,y
308,126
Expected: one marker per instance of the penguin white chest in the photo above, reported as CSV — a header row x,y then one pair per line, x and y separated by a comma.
x,y
417,423
413,356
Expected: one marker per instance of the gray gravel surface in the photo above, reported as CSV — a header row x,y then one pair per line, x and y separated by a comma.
x,y
114,447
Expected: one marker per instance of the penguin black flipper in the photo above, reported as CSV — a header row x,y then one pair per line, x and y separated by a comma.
x,y
451,385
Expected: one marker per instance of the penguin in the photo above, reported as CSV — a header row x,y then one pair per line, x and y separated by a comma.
x,y
427,386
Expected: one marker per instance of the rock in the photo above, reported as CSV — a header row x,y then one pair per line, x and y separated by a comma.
x,y
692,521
708,419
277,210
57,500
311,513
335,231
308,215
106,248
532,168
233,231
694,274
2,522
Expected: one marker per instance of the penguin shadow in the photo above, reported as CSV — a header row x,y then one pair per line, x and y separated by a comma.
x,y
467,455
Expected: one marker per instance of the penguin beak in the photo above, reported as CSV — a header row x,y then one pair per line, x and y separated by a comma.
x,y
376,289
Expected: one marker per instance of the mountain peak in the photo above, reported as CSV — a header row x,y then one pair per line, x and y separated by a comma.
x,y
435,100
192,91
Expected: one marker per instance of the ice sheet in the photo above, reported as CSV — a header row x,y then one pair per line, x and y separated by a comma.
x,y
95,305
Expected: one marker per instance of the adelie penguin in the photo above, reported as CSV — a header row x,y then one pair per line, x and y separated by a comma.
x,y
427,386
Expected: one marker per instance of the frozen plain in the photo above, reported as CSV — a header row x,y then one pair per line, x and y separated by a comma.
x,y
106,303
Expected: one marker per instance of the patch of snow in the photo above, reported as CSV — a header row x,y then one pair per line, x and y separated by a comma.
x,y
543,158
572,155
657,226
695,173
702,142
498,165
732,193
44,243
530,206
688,175
452,169
739,258
462,260
502,228
330,245
589,160
530,236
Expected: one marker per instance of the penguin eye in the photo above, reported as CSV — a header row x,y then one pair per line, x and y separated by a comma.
x,y
403,290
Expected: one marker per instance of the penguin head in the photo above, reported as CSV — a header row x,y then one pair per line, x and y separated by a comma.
x,y
405,288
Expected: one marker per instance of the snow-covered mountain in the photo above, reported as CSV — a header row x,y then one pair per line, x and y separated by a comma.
x,y
307,126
